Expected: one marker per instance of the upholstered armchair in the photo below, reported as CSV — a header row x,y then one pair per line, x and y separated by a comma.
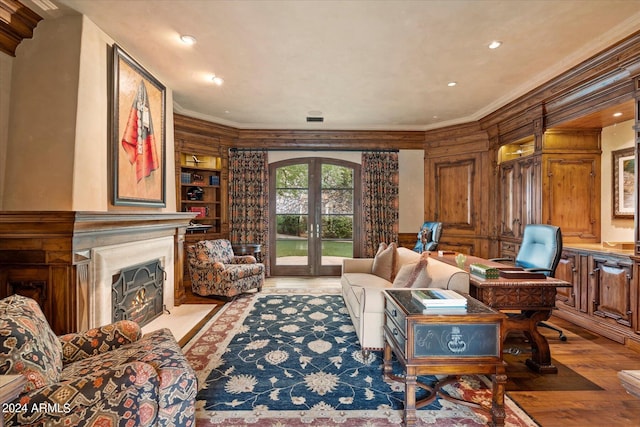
x,y
428,237
216,271
106,376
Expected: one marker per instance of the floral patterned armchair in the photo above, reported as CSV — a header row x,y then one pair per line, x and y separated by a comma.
x,y
215,270
107,376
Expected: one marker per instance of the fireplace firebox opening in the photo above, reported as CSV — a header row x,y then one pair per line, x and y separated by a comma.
x,y
137,292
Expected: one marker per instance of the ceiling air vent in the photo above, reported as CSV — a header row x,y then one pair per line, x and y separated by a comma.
x,y
315,119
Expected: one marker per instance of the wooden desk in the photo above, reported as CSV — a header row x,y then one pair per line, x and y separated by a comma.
x,y
533,298
452,344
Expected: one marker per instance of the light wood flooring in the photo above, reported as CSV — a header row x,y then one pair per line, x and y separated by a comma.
x,y
596,358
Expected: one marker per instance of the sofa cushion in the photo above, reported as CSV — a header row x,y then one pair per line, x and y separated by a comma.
x,y
28,346
385,261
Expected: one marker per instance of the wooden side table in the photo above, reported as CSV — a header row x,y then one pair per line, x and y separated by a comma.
x,y
10,388
452,344
254,249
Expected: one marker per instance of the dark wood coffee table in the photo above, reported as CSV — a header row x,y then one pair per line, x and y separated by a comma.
x,y
452,344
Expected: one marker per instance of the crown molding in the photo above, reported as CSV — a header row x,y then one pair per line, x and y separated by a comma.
x,y
17,23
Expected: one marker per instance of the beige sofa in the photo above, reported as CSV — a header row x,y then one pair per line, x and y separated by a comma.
x,y
362,290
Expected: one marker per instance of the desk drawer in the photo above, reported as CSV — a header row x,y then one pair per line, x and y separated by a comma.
x,y
397,333
395,313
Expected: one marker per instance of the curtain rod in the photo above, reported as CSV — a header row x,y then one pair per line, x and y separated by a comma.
x,y
314,149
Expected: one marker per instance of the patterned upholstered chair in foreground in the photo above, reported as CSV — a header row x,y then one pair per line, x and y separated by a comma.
x,y
108,376
216,271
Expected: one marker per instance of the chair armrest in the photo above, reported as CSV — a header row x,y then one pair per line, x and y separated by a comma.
x,y
111,390
357,265
244,259
80,345
539,270
206,265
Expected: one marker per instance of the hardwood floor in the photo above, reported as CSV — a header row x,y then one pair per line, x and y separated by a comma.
x,y
596,358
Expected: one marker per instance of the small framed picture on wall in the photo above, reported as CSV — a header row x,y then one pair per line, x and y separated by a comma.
x,y
624,182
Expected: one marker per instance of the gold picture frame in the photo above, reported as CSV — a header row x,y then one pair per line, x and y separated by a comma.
x,y
624,183
138,134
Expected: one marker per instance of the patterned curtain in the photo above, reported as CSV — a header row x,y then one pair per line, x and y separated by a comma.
x,y
379,200
249,199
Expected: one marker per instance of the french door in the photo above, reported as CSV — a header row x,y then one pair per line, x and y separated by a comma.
x,y
315,207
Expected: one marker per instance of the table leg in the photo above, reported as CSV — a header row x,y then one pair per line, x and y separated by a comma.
x,y
410,418
527,322
386,359
497,405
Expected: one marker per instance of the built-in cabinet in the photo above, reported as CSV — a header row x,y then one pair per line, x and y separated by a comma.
x,y
603,297
202,176
201,190
545,185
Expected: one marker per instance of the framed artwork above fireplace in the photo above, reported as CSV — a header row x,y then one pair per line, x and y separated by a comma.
x,y
138,134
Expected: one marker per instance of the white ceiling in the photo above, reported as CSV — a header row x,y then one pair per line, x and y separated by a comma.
x,y
362,64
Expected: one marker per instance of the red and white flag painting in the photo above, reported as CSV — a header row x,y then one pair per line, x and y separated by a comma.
x,y
138,140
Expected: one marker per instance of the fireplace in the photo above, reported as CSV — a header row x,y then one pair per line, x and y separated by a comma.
x,y
130,259
136,293
66,260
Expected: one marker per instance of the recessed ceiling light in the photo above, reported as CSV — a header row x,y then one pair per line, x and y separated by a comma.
x,y
188,40
495,44
217,80
617,114
451,84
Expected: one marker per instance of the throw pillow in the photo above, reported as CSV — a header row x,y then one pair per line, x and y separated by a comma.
x,y
414,275
28,346
385,261
402,277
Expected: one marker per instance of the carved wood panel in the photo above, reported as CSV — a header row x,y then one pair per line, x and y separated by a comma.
x,y
510,208
571,183
530,183
454,192
611,281
568,270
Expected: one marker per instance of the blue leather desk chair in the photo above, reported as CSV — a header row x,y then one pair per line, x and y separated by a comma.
x,y
428,237
540,251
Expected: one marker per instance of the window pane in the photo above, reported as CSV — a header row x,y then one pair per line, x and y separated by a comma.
x,y
337,227
293,176
336,176
292,201
291,226
337,201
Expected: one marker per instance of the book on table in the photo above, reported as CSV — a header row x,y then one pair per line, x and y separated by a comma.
x,y
484,271
440,298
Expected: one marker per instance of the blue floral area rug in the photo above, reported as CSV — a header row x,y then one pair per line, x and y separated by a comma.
x,y
291,357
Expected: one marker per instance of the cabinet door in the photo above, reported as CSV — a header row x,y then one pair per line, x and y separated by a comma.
x,y
529,192
510,204
572,183
568,270
610,285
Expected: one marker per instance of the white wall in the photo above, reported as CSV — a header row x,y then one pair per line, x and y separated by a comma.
x,y
411,180
6,63
58,134
614,138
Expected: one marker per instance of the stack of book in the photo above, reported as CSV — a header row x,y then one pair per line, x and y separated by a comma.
x,y
440,299
484,271
185,177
